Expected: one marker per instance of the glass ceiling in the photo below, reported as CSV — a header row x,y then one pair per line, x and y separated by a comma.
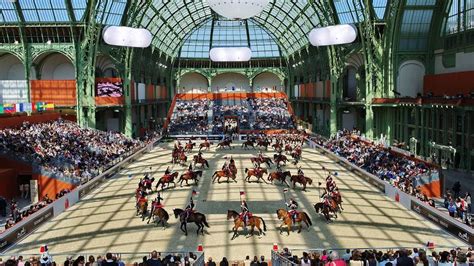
x,y
181,27
229,33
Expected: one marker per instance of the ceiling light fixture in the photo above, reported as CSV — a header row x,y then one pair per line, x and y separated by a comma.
x,y
238,9
230,54
127,37
333,35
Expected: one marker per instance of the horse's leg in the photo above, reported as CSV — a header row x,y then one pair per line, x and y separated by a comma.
x,y
300,227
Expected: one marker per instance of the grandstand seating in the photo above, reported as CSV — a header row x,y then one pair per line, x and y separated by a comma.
x,y
205,113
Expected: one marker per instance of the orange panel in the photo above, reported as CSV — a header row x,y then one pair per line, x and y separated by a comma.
x,y
59,92
51,186
432,189
106,101
150,92
9,187
450,84
328,89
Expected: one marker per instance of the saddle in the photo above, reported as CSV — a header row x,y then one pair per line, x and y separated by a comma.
x,y
167,178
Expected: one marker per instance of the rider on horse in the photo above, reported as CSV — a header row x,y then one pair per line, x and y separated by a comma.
x,y
260,156
226,167
141,200
245,213
330,185
156,203
293,205
190,169
278,168
300,172
199,156
189,209
167,171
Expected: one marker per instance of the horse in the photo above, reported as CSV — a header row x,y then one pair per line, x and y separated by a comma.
x,y
276,146
280,158
263,143
167,179
254,172
225,143
206,145
196,217
302,180
221,173
248,143
162,216
192,175
189,146
279,176
326,210
288,221
257,160
179,157
142,208
201,161
254,221
288,149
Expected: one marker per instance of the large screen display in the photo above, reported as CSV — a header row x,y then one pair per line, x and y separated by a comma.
x,y
109,89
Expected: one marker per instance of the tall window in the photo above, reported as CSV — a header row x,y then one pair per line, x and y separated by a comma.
x,y
461,16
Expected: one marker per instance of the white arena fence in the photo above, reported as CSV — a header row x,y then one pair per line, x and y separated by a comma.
x,y
443,220
127,257
32,222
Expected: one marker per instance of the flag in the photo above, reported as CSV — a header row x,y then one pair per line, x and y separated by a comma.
x,y
49,106
27,107
39,106
43,249
285,190
9,108
194,193
242,193
1,108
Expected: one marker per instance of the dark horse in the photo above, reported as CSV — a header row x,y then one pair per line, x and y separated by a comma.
x,y
225,143
325,210
196,217
201,161
257,160
248,143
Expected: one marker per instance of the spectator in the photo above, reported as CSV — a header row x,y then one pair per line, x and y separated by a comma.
x,y
403,259
305,261
247,260
210,262
262,261
109,260
154,260
224,262
254,262
347,256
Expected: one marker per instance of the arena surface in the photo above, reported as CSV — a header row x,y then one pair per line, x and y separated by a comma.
x,y
105,220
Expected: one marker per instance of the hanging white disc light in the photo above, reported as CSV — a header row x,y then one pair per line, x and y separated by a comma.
x,y
333,35
230,54
238,9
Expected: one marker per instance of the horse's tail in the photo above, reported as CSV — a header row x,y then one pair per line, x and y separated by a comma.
x,y
246,170
307,217
264,225
205,222
316,207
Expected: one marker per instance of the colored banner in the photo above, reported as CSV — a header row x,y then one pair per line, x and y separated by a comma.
x,y
9,108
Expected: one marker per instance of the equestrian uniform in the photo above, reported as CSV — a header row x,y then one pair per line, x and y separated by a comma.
x,y
188,210
300,172
156,203
293,205
244,215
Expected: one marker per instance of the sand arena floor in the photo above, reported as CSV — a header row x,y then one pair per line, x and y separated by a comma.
x,y
105,220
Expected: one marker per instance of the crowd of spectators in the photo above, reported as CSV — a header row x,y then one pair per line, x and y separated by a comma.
x,y
271,113
400,171
402,257
64,149
189,117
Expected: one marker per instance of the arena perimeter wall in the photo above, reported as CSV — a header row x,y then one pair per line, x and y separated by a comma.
x,y
29,225
443,220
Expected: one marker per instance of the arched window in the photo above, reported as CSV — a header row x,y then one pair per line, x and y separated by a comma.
x,y
460,17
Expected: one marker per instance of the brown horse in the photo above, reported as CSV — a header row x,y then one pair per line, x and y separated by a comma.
x,y
221,173
248,143
142,208
288,221
189,147
225,143
167,179
303,180
179,157
193,175
254,221
257,160
201,161
159,215
288,149
279,176
256,173
326,210
280,158
206,145
276,146
263,143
